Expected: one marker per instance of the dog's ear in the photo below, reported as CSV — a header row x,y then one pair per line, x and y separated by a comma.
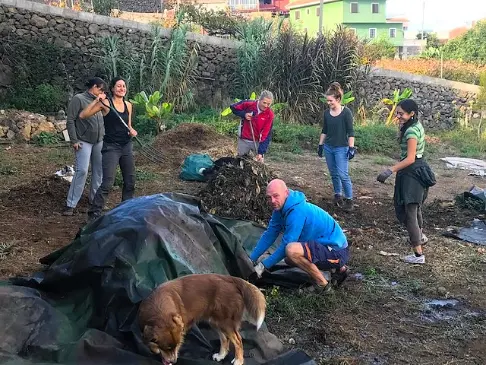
x,y
148,331
178,320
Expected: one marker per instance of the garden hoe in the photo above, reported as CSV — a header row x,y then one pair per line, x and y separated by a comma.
x,y
150,153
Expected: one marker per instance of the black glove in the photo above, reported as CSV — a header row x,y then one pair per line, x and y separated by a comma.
x,y
384,175
320,150
351,153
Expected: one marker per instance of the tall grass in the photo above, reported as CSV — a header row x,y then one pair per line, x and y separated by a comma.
x,y
167,65
298,69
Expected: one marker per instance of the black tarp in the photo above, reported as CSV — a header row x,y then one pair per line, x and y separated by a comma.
x,y
82,308
476,233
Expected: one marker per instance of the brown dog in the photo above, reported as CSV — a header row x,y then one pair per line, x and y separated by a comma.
x,y
174,306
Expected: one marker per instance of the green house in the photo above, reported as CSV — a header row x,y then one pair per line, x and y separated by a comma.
x,y
367,18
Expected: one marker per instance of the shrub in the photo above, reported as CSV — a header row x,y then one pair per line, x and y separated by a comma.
x,y
145,126
43,98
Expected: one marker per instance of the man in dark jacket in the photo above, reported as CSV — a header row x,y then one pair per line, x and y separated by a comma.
x,y
312,240
86,137
256,124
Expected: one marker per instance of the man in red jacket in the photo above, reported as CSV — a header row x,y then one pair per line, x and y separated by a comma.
x,y
255,129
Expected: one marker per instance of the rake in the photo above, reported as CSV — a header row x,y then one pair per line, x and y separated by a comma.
x,y
149,153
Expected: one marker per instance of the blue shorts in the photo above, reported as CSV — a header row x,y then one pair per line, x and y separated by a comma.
x,y
324,257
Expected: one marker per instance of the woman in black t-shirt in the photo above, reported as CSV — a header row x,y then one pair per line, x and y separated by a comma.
x,y
336,143
117,144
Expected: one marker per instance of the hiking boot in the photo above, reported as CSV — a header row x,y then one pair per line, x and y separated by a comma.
x,y
337,278
68,211
348,205
338,200
412,259
92,217
318,289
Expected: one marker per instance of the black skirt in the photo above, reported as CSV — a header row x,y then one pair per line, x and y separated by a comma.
x,y
412,186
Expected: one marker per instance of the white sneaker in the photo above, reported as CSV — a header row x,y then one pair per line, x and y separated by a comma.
x,y
412,259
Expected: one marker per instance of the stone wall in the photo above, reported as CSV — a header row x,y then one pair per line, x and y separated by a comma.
x,y
78,32
25,126
140,6
439,100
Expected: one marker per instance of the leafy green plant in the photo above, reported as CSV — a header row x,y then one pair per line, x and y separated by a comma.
x,y
396,98
46,139
153,107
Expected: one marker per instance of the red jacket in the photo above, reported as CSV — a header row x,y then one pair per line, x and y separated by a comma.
x,y
262,123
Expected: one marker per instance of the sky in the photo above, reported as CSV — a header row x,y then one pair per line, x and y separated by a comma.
x,y
439,14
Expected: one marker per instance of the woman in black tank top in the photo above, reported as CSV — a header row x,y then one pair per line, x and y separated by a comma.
x,y
117,144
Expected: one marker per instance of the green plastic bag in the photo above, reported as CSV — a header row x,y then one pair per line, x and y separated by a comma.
x,y
193,166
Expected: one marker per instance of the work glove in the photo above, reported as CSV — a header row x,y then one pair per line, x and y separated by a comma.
x,y
384,175
320,150
351,153
259,269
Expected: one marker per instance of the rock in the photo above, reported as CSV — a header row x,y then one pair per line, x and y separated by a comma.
x,y
60,125
38,22
10,134
47,127
26,131
61,115
93,28
3,131
6,75
442,291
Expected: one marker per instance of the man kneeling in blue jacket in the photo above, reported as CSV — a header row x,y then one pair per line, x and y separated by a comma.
x,y
312,240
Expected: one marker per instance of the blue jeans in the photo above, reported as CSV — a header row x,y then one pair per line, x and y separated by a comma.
x,y
88,152
337,163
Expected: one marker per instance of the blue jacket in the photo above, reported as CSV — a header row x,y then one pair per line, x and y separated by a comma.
x,y
299,221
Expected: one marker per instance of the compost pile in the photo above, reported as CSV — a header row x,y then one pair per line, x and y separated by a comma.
x,y
42,196
237,190
189,138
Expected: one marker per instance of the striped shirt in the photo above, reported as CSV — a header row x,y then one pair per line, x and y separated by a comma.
x,y
415,131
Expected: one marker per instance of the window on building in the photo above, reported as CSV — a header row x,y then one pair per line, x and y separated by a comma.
x,y
308,11
354,8
354,31
375,8
393,32
318,11
297,15
372,33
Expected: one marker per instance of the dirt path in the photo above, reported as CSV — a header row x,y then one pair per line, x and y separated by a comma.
x,y
379,317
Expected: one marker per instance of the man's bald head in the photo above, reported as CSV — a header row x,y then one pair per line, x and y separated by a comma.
x,y
277,193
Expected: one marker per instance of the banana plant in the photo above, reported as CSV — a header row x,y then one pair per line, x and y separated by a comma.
x,y
397,97
346,99
153,107
227,111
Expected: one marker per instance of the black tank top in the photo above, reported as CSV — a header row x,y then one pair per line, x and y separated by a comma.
x,y
115,131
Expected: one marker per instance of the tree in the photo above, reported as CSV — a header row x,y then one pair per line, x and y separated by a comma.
x,y
470,46
432,39
377,49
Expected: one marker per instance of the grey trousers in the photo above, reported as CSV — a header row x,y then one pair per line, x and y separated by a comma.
x,y
114,155
414,223
83,156
244,146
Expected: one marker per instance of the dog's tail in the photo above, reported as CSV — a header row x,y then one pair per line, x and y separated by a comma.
x,y
254,300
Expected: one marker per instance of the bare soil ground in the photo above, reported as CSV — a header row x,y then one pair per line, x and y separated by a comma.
x,y
379,316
